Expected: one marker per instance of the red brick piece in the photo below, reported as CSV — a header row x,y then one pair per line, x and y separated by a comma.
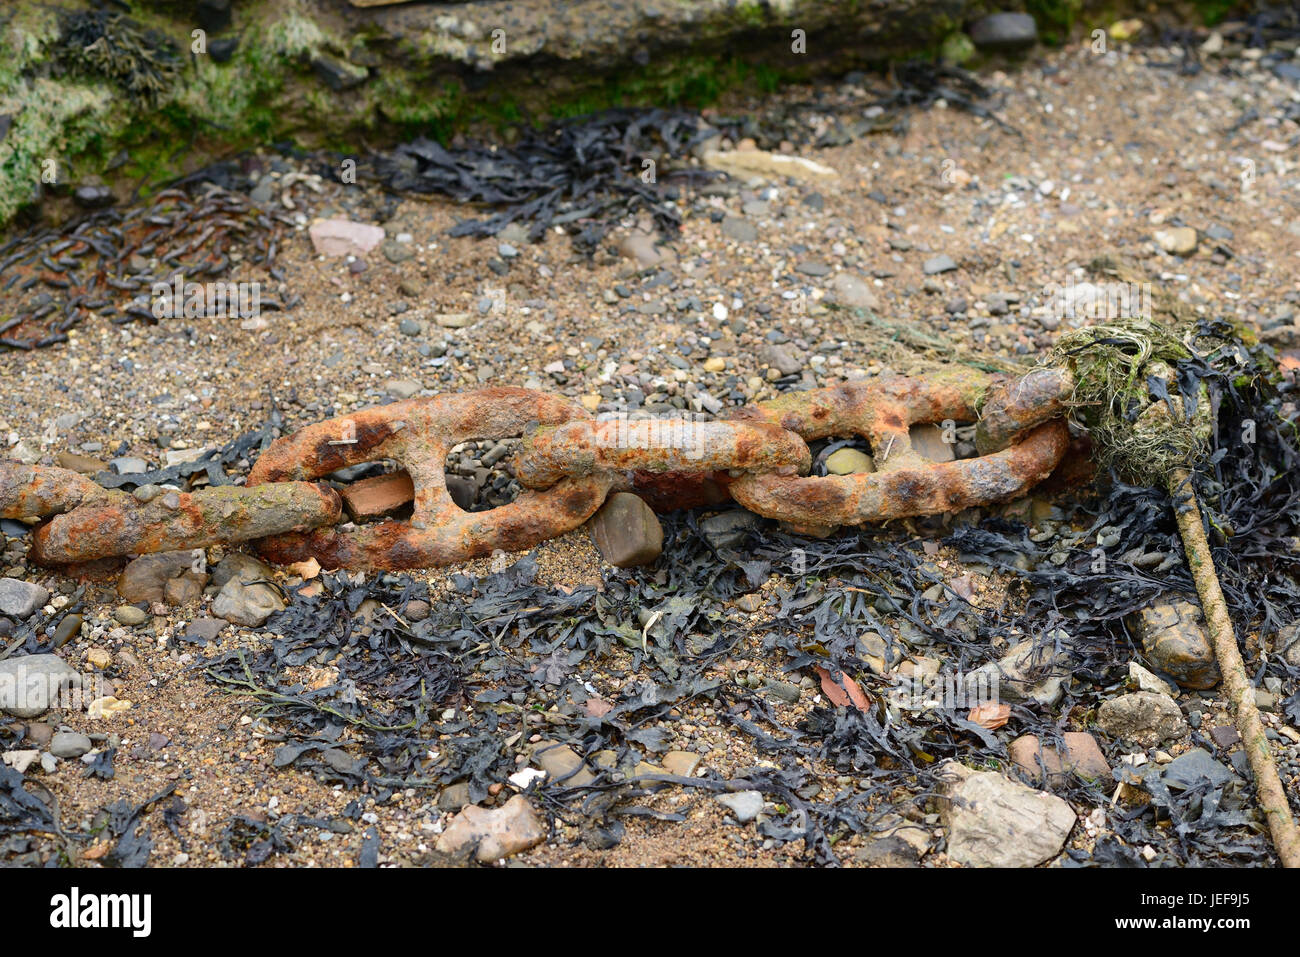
x,y
378,496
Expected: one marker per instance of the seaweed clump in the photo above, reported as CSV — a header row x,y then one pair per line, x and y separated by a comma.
x,y
141,61
1138,395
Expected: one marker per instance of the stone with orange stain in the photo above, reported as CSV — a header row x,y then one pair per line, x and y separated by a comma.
x,y
1046,764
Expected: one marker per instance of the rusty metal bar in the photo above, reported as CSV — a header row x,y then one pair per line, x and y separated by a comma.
x,y
756,455
418,434
656,445
904,484
121,525
35,491
1014,406
931,489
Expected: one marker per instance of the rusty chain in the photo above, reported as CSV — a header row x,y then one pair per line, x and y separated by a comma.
x,y
569,463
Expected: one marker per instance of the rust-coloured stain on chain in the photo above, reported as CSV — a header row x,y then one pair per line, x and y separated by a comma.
x,y
656,445
35,491
1012,407
418,434
569,463
905,484
121,525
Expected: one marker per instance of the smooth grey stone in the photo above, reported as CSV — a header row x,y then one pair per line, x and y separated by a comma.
x,y
69,744
30,685
20,599
744,805
1196,766
1004,31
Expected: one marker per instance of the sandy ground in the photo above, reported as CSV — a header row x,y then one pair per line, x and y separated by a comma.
x,y
1112,149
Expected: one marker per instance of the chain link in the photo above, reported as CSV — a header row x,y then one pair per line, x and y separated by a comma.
x,y
568,463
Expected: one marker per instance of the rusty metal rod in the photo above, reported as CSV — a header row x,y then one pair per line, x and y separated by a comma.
x,y
179,520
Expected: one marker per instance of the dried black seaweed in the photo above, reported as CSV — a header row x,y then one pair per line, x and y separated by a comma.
x,y
583,174
398,714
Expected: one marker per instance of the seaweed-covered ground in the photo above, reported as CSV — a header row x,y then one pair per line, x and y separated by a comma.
x,y
351,727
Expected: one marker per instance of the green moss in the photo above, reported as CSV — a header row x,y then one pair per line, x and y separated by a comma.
x,y
751,14
52,121
957,48
1131,426
296,35
414,111
1055,18
1215,11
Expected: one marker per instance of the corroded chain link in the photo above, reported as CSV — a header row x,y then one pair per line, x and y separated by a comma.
x,y
569,462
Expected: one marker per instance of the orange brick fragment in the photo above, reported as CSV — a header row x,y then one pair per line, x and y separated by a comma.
x,y
381,495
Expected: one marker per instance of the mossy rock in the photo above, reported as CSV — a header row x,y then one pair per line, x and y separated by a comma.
x,y
322,74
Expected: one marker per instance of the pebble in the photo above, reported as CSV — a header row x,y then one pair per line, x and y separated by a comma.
x,y
1195,767
396,252
563,765
343,237
741,230
248,605
20,761
128,465
853,292
1143,717
1179,241
402,388
147,493
69,744
1082,757
681,763
929,443
938,264
849,461
783,359
627,531
184,589
1004,32
29,685
80,463
93,196
146,577
20,599
39,733
643,248
499,832
744,805
98,658
130,615
993,821
242,566
1173,636
201,631
1144,680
